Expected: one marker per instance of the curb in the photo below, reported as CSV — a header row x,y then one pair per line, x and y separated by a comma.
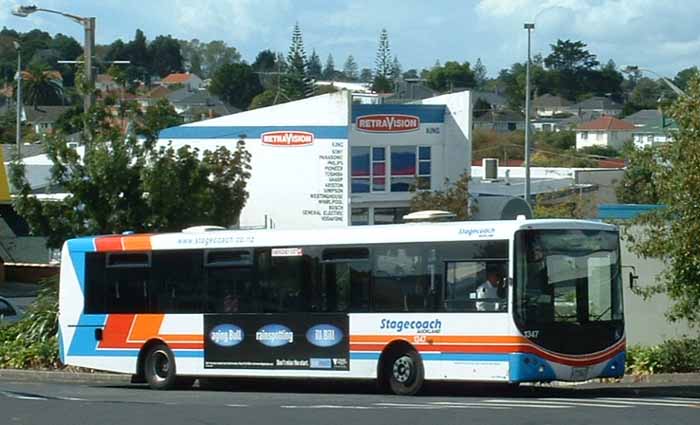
x,y
125,379
60,376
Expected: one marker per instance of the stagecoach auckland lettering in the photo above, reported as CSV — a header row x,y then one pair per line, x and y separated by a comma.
x,y
246,341
388,123
416,326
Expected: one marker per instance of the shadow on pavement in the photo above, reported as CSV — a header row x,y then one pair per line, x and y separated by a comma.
x,y
443,389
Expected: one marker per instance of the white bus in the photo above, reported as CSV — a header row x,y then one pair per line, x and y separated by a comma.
x,y
507,301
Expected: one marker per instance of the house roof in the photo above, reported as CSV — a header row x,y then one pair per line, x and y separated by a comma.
x,y
651,120
548,100
28,149
501,116
104,78
200,101
177,78
493,99
53,75
597,102
606,123
158,92
44,113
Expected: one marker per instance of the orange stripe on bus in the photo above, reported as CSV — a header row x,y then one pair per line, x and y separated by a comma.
x,y
108,243
145,326
116,330
137,243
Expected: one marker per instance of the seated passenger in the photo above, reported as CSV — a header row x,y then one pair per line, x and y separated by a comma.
x,y
491,289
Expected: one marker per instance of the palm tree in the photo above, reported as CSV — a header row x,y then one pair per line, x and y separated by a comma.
x,y
39,88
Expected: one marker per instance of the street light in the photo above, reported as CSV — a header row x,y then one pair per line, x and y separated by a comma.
x,y
633,68
88,48
19,99
529,27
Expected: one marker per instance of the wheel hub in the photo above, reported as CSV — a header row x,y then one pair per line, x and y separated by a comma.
x,y
403,369
161,365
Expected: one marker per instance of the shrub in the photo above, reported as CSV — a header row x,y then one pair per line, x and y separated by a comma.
x,y
32,342
671,356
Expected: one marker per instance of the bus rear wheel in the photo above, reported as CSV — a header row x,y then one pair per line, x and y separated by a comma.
x,y
404,373
159,368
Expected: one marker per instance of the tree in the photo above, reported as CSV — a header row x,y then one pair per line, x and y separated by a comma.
x,y
410,74
350,69
480,76
645,94
329,72
216,54
296,84
561,205
122,184
265,61
454,199
314,68
39,88
671,233
450,76
681,79
236,83
570,56
382,84
396,72
366,75
480,107
266,98
638,183
383,60
165,57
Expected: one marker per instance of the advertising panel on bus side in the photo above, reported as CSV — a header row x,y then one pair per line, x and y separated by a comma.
x,y
276,341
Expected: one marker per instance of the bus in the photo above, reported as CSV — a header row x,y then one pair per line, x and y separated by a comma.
x,y
494,301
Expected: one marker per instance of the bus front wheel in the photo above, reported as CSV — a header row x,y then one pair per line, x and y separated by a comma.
x,y
404,373
159,368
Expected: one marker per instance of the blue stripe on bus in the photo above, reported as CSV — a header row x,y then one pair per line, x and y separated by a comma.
x,y
529,367
84,343
77,249
439,356
248,132
189,353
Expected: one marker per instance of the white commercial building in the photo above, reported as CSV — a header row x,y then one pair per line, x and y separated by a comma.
x,y
325,161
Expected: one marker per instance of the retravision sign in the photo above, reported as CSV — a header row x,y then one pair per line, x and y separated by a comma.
x,y
387,123
287,138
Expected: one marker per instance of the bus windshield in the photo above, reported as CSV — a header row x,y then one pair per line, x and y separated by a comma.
x,y
567,277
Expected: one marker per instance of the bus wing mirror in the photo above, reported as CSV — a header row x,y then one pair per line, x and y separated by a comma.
x,y
633,275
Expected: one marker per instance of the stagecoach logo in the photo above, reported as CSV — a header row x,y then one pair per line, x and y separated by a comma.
x,y
324,335
226,335
412,326
388,123
287,138
274,335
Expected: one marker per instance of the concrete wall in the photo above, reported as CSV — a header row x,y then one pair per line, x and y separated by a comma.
x,y
646,323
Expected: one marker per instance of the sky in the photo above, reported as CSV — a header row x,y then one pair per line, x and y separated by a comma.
x,y
659,35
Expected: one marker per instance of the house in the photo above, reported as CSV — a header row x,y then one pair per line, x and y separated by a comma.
x,y
596,105
198,105
409,90
105,83
548,105
496,100
652,127
500,121
186,79
604,131
43,118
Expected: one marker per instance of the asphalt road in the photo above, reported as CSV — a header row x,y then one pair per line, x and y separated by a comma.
x,y
274,402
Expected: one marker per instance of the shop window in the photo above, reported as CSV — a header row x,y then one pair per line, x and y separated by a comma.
x,y
360,216
389,215
378,170
360,169
403,168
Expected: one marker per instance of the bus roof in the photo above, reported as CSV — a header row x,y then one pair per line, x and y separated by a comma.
x,y
351,235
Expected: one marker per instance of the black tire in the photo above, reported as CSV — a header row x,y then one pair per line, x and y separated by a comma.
x,y
404,372
159,368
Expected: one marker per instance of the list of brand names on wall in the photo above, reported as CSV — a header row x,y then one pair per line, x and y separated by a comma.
x,y
330,200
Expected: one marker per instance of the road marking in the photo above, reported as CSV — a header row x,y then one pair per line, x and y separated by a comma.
x,y
22,396
328,406
237,405
644,402
526,403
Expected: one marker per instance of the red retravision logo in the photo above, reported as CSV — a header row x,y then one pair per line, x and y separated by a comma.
x,y
287,138
388,123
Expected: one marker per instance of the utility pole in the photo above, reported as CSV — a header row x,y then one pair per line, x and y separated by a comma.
x,y
529,27
19,101
89,49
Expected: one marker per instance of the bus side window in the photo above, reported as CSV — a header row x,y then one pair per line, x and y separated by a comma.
x,y
345,280
178,282
403,280
230,284
127,281
285,278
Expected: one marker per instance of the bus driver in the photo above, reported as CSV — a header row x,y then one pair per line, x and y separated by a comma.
x,y
491,289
